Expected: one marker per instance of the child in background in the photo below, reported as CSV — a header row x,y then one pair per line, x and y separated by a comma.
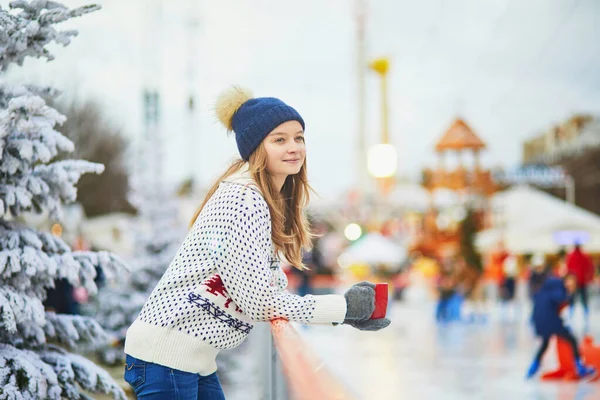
x,y
548,302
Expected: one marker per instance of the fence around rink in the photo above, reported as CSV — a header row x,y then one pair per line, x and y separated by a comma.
x,y
307,378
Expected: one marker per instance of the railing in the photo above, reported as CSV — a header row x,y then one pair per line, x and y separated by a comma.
x,y
294,372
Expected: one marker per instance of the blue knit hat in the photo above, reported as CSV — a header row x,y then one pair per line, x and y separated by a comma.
x,y
252,119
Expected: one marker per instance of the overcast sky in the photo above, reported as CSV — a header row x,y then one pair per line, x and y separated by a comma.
x,y
510,68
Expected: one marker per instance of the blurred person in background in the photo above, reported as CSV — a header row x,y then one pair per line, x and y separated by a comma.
x,y
64,298
581,266
538,272
226,276
548,302
61,298
510,268
330,245
305,275
470,285
446,286
494,271
559,265
400,278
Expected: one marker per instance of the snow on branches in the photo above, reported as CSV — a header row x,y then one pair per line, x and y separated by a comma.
x,y
26,33
28,142
34,361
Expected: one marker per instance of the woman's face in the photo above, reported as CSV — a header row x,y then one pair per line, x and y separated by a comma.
x,y
286,150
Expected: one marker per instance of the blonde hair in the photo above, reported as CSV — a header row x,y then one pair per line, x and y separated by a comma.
x,y
290,229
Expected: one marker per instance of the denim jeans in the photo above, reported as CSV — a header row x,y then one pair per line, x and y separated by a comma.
x,y
156,382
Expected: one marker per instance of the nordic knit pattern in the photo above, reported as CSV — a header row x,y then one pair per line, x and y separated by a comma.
x,y
224,278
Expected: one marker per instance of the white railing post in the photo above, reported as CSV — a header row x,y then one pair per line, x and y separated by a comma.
x,y
273,382
279,388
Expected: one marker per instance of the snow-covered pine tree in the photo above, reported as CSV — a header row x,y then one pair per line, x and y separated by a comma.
x,y
35,357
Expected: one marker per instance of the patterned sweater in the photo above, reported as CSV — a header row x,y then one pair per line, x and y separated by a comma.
x,y
224,278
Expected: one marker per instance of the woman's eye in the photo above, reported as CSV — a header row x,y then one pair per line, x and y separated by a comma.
x,y
300,138
279,140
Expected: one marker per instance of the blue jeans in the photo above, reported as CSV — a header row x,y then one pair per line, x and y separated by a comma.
x,y
156,382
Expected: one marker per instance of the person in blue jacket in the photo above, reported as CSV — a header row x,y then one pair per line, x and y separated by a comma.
x,y
548,302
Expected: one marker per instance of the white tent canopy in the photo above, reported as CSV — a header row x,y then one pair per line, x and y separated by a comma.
x,y
445,198
529,220
410,196
373,249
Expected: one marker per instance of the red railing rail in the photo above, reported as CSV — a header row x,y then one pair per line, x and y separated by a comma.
x,y
307,377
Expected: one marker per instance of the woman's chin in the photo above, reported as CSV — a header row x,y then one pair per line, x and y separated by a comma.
x,y
292,169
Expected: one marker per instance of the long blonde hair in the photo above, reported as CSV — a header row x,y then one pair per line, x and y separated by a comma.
x,y
290,229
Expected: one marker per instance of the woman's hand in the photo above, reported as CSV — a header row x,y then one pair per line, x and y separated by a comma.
x,y
360,304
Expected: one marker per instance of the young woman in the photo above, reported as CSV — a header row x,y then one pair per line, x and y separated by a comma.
x,y
226,275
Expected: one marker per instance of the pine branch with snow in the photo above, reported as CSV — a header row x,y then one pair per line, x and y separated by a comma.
x,y
29,142
25,33
18,365
74,330
74,370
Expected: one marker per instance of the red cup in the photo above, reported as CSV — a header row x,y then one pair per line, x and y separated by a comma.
x,y
381,301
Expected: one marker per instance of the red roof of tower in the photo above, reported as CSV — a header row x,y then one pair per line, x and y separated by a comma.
x,y
459,136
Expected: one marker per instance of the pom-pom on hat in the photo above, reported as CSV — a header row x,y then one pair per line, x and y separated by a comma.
x,y
252,118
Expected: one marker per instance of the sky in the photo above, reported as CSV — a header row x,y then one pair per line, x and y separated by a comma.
x,y
509,68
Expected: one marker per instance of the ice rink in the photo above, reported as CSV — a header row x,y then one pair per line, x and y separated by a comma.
x,y
417,358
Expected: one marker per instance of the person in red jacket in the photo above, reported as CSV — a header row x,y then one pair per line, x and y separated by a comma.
x,y
580,265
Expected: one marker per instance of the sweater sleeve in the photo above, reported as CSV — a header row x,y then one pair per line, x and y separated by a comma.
x,y
243,259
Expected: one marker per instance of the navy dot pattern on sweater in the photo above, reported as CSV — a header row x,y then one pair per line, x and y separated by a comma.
x,y
231,237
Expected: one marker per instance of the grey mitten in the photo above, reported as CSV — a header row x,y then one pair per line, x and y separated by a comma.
x,y
360,302
370,324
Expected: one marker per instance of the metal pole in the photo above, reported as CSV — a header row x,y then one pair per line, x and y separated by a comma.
x,y
385,131
570,189
381,66
361,65
192,28
152,146
150,165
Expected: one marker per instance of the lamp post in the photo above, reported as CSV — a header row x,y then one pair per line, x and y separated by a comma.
x,y
361,63
383,158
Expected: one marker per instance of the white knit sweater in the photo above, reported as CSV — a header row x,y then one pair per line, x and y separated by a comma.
x,y
224,278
